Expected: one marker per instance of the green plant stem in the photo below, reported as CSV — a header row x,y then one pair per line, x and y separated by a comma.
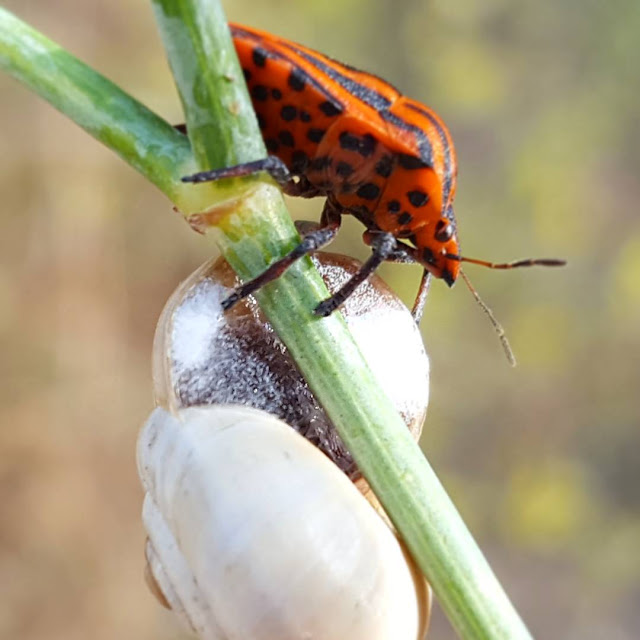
x,y
140,137
253,228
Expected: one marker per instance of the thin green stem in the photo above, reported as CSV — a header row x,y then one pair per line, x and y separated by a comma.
x,y
140,137
221,122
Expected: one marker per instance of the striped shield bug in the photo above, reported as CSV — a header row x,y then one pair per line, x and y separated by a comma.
x,y
374,153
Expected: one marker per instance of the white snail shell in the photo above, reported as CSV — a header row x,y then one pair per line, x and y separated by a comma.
x,y
255,535
205,356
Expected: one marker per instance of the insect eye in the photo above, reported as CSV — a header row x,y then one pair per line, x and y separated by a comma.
x,y
444,231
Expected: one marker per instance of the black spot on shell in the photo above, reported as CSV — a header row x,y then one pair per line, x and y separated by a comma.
x,y
344,169
276,94
315,135
418,198
247,74
410,162
368,191
260,93
305,116
259,56
297,80
272,144
320,163
330,109
364,145
444,231
368,145
427,255
286,139
261,121
299,161
288,113
405,218
393,206
384,166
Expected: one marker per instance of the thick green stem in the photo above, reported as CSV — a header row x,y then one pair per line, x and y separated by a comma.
x,y
253,228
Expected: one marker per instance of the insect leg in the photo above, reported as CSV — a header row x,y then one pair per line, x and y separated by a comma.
x,y
402,253
305,227
272,165
316,239
292,184
405,254
383,245
421,296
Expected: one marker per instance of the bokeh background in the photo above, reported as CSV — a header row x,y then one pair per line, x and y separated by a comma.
x,y
543,100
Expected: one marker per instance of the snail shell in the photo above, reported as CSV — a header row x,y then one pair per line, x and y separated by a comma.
x,y
203,355
255,535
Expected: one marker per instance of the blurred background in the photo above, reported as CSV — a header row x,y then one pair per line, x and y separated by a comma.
x,y
543,101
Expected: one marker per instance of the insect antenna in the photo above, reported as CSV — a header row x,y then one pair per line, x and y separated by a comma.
x,y
502,336
528,262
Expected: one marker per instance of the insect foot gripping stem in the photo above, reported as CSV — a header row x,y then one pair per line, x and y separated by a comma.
x,y
311,242
272,165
